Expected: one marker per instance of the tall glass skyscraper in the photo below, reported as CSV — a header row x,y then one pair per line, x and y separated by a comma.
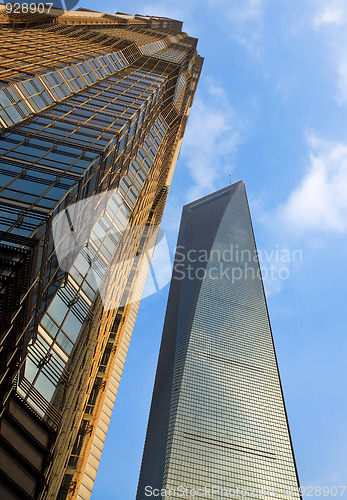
x,y
93,109
217,426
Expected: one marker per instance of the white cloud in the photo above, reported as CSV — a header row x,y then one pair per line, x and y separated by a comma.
x,y
319,203
315,209
245,21
330,19
329,14
210,141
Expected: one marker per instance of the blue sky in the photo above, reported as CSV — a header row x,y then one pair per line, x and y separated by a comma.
x,y
270,109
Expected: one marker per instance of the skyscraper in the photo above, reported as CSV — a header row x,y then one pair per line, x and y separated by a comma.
x,y
217,426
93,109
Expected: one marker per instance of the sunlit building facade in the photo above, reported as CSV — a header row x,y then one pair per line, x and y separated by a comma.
x,y
90,104
217,426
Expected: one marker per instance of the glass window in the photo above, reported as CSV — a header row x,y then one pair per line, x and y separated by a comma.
x,y
13,114
72,326
4,100
64,342
81,265
88,290
49,325
57,309
44,386
30,370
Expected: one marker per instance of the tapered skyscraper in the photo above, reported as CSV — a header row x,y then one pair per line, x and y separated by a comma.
x,y
217,426
93,109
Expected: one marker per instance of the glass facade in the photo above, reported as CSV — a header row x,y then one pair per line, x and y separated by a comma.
x,y
218,423
89,106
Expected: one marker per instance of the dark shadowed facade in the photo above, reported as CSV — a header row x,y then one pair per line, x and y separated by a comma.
x,y
218,420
